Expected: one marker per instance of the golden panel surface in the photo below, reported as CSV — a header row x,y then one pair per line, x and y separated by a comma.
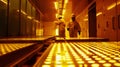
x,y
83,54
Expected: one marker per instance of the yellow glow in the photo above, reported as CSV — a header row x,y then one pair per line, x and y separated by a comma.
x,y
58,57
102,61
7,48
111,6
47,62
80,62
79,59
58,63
36,20
85,20
29,17
64,11
45,65
85,65
4,2
70,62
57,15
39,32
91,61
88,58
107,58
95,65
117,58
112,61
48,59
56,5
66,1
22,12
80,65
3,50
57,31
64,6
71,65
97,58
117,64
107,64
99,13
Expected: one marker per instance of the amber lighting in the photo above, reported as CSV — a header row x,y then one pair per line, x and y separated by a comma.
x,y
29,17
9,47
4,2
85,19
24,13
99,13
56,5
66,1
39,32
81,54
36,21
95,65
113,5
63,11
117,64
60,6
107,64
118,3
57,15
57,30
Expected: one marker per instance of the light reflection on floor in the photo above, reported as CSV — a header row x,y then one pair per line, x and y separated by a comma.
x,y
10,47
83,54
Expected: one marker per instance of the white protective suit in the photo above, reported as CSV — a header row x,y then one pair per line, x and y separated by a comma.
x,y
61,25
73,28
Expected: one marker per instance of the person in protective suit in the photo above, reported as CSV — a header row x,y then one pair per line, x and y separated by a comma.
x,y
61,27
73,27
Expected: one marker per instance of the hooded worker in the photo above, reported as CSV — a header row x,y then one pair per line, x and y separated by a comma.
x,y
61,27
73,27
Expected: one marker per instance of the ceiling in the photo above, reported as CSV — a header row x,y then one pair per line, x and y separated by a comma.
x,y
47,8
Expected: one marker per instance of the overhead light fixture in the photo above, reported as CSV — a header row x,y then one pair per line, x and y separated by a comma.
x,y
56,5
4,2
29,17
23,12
111,6
99,13
66,1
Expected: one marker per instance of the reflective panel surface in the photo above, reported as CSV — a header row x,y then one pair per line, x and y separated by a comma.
x,y
82,54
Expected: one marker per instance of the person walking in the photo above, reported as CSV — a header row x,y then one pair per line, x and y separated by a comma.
x,y
61,25
73,27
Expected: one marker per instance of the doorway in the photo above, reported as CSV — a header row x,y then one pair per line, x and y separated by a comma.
x,y
92,20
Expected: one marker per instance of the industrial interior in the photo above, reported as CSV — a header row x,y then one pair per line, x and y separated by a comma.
x,y
29,36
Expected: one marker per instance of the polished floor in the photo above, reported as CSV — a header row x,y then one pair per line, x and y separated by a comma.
x,y
81,54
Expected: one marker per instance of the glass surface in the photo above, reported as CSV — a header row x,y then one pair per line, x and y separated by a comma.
x,y
3,18
13,24
23,17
